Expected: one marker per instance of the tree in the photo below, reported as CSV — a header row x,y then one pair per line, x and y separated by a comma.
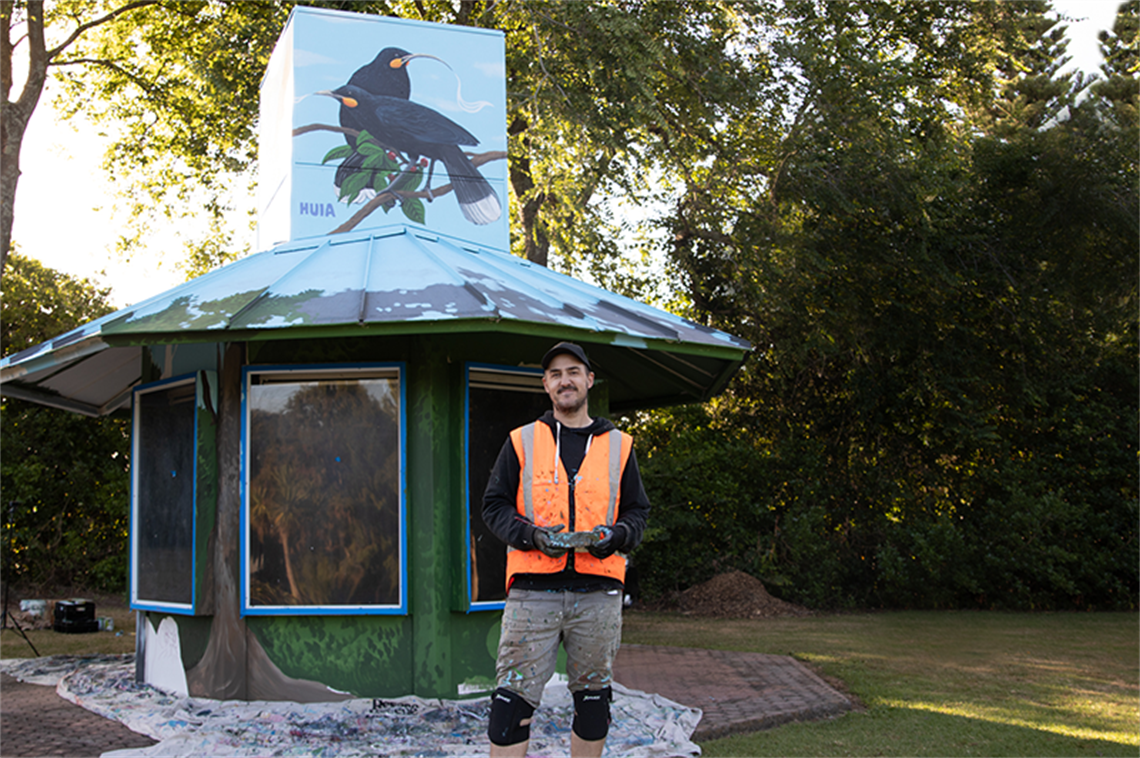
x,y
925,229
31,17
938,273
1121,65
67,474
177,85
40,303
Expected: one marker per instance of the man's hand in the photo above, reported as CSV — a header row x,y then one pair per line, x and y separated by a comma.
x,y
541,541
612,537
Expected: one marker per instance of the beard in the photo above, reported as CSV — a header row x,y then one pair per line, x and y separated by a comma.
x,y
570,403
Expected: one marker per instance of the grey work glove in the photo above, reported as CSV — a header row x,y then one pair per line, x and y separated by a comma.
x,y
613,537
541,540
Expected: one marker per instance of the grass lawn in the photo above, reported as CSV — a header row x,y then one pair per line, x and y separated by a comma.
x,y
942,683
931,683
49,642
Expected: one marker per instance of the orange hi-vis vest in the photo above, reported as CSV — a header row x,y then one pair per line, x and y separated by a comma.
x,y
544,496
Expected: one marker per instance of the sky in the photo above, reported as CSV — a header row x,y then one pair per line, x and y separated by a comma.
x,y
82,242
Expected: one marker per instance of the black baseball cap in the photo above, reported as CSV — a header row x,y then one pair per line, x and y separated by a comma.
x,y
570,349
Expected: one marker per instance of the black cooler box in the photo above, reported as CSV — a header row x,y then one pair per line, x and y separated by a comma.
x,y
75,616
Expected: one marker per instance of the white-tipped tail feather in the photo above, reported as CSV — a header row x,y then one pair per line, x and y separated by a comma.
x,y
483,211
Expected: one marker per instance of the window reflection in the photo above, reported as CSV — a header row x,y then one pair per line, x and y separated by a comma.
x,y
164,494
324,490
498,400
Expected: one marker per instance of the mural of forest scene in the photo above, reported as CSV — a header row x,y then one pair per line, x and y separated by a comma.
x,y
324,491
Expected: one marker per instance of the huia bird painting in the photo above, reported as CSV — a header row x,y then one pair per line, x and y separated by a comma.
x,y
392,140
392,122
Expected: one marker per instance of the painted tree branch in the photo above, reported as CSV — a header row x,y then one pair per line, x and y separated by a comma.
x,y
325,128
388,196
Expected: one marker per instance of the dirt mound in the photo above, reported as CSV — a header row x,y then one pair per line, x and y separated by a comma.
x,y
735,595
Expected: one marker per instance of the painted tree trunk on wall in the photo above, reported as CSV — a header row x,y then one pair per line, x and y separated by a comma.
x,y
428,496
235,666
221,673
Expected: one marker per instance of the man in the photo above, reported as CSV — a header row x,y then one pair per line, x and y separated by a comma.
x,y
565,472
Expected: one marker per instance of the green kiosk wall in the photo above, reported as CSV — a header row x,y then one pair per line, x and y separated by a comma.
x,y
440,639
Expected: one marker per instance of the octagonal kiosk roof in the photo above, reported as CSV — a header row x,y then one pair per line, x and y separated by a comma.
x,y
395,280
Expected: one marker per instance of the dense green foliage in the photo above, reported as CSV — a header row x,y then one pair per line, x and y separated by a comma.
x,y
941,408
66,474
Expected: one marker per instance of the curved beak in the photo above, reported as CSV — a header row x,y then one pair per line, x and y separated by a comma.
x,y
403,60
344,99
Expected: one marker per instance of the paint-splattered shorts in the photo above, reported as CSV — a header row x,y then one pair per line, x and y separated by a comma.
x,y
588,624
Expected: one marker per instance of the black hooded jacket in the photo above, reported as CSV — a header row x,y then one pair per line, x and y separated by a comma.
x,y
500,507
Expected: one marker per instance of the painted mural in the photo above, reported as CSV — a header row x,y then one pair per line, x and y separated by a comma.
x,y
390,120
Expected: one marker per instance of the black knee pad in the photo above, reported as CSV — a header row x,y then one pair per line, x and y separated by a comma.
x,y
507,710
592,713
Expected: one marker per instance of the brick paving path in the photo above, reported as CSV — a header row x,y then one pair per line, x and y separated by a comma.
x,y
35,721
738,692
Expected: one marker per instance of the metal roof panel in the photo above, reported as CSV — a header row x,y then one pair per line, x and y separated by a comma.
x,y
379,280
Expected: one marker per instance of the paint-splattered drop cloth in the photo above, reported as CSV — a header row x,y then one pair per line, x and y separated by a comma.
x,y
644,725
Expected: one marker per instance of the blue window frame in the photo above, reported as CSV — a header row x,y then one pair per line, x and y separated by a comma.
x,y
323,482
173,497
496,400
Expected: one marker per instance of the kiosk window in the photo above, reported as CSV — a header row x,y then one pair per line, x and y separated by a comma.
x,y
498,400
323,491
163,495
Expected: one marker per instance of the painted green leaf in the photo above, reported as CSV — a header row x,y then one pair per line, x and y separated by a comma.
x,y
380,160
415,179
336,153
414,209
368,148
352,186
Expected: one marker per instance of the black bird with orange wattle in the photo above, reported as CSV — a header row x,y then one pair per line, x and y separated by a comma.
x,y
416,130
386,75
